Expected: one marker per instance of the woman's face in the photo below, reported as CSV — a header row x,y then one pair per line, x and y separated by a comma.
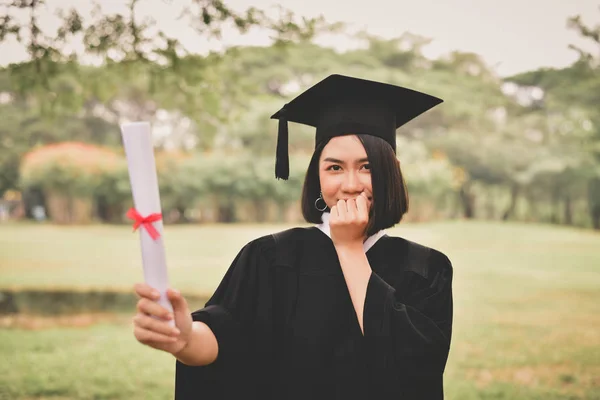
x,y
344,171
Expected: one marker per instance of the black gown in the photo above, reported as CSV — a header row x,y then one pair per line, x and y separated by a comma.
x,y
287,329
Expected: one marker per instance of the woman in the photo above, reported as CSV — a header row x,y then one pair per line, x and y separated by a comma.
x,y
339,310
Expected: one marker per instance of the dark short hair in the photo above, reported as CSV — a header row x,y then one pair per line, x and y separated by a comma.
x,y
390,194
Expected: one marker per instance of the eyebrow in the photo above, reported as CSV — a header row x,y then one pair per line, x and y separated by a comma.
x,y
335,160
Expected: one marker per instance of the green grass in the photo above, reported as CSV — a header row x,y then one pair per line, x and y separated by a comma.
x,y
526,326
109,257
101,362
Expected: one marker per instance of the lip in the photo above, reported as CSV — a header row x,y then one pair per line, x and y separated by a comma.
x,y
354,198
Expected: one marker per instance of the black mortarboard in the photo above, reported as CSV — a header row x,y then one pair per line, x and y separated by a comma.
x,y
342,105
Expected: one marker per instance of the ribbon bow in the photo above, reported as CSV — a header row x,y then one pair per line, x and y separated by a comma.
x,y
146,222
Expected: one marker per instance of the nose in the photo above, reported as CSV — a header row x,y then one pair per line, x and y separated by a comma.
x,y
352,182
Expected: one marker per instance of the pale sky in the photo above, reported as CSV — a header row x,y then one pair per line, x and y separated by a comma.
x,y
512,35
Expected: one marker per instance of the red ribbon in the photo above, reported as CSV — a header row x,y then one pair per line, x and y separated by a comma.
x,y
146,222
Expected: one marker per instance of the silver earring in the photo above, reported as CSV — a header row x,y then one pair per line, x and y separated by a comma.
x,y
317,200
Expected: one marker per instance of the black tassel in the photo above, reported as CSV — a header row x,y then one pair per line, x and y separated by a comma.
x,y
282,159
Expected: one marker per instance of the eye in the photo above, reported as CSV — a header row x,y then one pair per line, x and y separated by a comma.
x,y
367,167
334,167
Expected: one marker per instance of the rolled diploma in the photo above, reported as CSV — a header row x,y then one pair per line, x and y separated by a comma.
x,y
137,140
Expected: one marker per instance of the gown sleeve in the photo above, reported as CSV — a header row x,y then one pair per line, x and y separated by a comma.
x,y
409,327
232,314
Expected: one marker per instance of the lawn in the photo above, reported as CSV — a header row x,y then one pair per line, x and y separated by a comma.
x,y
526,326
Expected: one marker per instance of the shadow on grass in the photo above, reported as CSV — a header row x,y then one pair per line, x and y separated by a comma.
x,y
65,303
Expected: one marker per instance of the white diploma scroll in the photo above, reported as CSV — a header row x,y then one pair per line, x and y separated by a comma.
x,y
137,140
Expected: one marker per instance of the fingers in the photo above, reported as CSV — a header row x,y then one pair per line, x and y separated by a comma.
x,y
149,307
347,210
177,301
362,206
362,209
146,336
365,196
144,290
342,209
352,210
152,324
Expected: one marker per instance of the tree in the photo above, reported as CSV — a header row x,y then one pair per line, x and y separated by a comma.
x,y
143,71
574,90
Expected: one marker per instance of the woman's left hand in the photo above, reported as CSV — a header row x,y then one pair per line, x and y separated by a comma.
x,y
348,221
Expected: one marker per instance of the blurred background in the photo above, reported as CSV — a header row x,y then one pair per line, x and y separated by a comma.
x,y
504,176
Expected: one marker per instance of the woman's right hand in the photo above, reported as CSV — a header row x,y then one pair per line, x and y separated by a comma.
x,y
151,323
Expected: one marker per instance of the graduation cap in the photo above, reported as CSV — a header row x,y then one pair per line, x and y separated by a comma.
x,y
342,105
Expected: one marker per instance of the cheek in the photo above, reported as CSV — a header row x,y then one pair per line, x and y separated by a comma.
x,y
366,183
329,187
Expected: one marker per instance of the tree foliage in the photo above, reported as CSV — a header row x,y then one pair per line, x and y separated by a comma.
x,y
532,138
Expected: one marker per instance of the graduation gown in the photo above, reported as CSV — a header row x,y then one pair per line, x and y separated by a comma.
x,y
287,329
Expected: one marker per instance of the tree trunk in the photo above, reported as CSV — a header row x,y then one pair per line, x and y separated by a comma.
x,y
82,210
568,211
182,217
514,194
32,198
594,202
555,204
58,207
596,218
103,210
226,212
260,210
468,201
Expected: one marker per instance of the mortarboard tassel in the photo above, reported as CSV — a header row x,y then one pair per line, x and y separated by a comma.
x,y
282,159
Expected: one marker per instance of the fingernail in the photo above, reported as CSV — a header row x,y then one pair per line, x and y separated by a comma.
x,y
175,331
155,293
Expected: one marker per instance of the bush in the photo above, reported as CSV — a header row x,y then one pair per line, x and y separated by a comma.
x,y
71,176
80,181
70,168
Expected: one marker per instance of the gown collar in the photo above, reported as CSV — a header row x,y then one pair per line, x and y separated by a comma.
x,y
371,240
